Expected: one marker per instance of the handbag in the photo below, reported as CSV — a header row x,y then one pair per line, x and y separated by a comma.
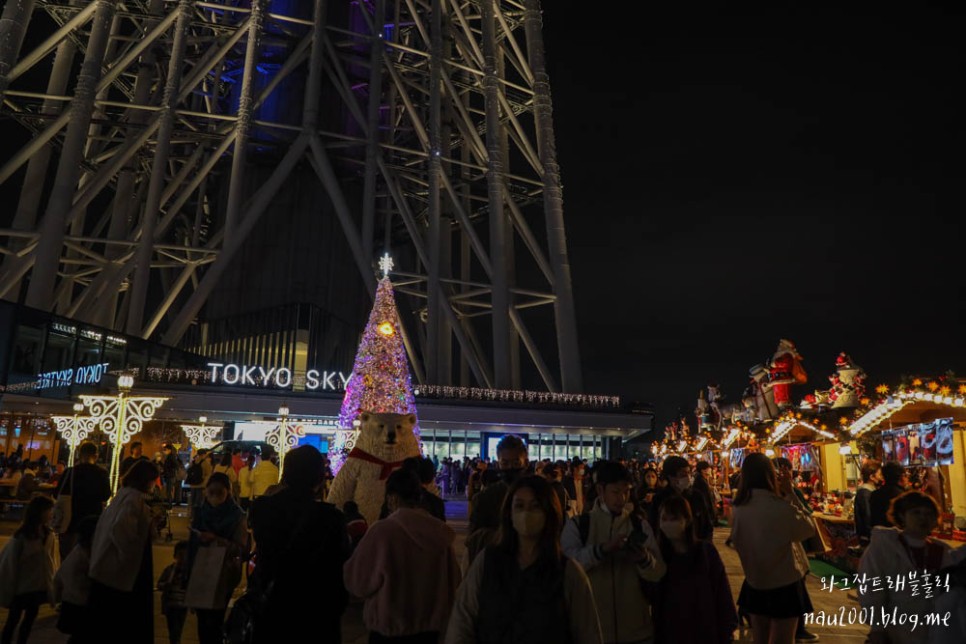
x,y
208,581
249,609
61,515
246,611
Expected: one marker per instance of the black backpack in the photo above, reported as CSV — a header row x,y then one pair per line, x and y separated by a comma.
x,y
195,475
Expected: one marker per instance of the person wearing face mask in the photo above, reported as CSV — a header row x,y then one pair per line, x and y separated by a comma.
x,y
895,553
693,603
523,589
618,550
645,496
680,481
219,522
511,453
405,568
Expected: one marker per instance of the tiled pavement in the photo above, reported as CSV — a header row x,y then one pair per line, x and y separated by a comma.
x,y
44,631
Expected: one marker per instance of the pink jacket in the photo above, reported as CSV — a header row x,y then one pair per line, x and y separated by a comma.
x,y
406,571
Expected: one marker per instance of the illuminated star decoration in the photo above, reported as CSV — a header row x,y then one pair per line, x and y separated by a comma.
x,y
882,389
380,380
385,265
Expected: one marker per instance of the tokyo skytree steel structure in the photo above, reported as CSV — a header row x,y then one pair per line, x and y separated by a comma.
x,y
161,135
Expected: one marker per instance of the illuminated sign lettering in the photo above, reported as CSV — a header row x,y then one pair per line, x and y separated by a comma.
x,y
256,376
87,375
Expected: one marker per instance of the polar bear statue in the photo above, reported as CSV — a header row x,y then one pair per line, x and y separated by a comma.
x,y
383,443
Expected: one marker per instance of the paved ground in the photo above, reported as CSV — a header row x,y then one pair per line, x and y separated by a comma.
x,y
354,633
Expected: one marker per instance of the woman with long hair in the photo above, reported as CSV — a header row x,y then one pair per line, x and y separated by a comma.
x,y
693,604
523,589
218,523
27,567
768,526
122,575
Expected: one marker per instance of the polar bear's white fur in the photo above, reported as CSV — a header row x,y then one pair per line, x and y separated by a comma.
x,y
384,442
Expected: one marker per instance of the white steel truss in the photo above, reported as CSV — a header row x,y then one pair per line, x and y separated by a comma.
x,y
135,171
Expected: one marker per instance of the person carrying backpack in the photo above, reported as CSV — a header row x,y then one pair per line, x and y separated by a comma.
x,y
173,472
618,551
196,477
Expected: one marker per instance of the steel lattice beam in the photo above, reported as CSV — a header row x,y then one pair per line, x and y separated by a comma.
x,y
446,158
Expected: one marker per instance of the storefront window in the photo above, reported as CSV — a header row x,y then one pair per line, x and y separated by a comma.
x,y
137,354
114,354
88,351
27,351
59,352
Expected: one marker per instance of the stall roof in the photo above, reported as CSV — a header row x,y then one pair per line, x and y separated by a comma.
x,y
910,407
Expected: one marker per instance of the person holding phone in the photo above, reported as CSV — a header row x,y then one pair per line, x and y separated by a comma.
x,y
617,549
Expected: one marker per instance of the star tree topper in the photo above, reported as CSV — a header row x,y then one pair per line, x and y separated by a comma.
x,y
385,264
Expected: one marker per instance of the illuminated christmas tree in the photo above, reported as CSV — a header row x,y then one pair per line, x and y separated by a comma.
x,y
380,380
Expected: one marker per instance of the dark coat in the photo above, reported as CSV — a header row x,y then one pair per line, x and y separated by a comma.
x,y
694,604
302,545
90,487
487,505
879,502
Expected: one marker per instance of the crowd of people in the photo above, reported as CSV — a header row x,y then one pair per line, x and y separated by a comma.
x,y
619,552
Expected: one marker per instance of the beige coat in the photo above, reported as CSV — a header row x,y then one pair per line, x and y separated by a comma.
x,y
767,532
119,540
624,612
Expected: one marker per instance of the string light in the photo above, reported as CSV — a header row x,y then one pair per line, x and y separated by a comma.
x,y
731,438
74,429
121,417
284,436
517,396
201,436
380,381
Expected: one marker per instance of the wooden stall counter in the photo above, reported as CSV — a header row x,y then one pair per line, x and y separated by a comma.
x,y
839,539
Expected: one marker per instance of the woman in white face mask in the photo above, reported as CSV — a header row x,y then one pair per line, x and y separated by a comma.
x,y
523,590
694,603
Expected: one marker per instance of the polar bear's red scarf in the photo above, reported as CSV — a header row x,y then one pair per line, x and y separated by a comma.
x,y
387,467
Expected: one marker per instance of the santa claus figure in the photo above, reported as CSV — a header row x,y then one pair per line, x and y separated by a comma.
x,y
784,370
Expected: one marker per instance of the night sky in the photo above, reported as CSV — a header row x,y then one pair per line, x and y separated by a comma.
x,y
732,178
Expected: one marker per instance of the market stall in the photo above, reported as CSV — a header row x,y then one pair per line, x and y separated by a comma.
x,y
920,425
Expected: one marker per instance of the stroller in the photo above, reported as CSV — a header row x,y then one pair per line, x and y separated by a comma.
x,y
161,509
